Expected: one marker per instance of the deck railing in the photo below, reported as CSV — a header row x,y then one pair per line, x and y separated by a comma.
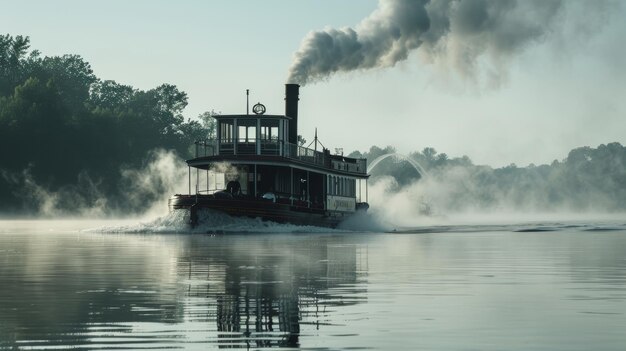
x,y
215,147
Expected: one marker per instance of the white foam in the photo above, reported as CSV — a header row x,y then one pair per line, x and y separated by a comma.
x,y
363,221
211,222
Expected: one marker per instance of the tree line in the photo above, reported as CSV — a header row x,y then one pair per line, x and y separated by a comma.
x,y
587,179
60,125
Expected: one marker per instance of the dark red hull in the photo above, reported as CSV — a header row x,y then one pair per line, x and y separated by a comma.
x,y
255,208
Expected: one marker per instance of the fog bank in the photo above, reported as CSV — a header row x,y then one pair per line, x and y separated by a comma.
x,y
588,182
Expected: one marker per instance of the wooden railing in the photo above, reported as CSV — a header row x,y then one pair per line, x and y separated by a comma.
x,y
215,147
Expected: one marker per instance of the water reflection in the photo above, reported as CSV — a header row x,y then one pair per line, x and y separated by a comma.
x,y
66,289
138,291
486,290
264,288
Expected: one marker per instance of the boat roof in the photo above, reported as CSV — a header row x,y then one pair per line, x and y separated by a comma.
x,y
253,116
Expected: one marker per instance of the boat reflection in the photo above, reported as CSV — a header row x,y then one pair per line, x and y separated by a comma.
x,y
265,288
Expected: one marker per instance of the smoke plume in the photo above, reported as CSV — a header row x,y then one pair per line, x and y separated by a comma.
x,y
452,33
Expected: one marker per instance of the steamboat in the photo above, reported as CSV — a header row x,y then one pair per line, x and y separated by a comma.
x,y
256,167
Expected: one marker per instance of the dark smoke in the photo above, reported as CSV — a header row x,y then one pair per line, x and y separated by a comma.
x,y
453,33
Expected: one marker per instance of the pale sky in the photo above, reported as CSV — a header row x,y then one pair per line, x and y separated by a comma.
x,y
566,91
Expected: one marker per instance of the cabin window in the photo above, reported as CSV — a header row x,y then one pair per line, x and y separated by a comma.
x,y
329,185
227,130
341,186
338,181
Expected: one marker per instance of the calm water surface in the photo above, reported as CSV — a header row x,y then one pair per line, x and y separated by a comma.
x,y
465,288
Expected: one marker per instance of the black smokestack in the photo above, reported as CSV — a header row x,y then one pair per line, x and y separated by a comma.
x,y
291,110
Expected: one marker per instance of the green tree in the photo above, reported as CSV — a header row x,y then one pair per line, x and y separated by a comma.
x,y
110,95
208,124
429,153
13,52
67,129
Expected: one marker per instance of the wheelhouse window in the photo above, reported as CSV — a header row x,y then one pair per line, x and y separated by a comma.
x,y
247,130
269,130
227,130
269,136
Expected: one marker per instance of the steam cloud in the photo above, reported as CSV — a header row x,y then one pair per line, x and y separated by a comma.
x,y
452,33
143,191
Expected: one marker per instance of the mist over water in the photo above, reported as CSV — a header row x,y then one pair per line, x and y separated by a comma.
x,y
141,191
454,192
590,183
439,202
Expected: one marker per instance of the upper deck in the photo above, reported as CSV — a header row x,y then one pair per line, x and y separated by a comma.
x,y
259,150
270,139
263,138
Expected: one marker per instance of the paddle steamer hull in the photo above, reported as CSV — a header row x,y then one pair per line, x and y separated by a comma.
x,y
265,210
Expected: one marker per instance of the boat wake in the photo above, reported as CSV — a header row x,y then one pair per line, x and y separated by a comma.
x,y
211,222
607,226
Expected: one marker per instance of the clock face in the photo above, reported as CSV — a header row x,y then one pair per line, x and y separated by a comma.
x,y
258,109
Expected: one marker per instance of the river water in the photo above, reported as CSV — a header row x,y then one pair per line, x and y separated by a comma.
x,y
106,285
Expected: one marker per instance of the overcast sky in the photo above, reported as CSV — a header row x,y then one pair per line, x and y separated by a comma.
x,y
561,89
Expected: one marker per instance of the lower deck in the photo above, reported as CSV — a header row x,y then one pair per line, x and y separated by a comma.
x,y
278,184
